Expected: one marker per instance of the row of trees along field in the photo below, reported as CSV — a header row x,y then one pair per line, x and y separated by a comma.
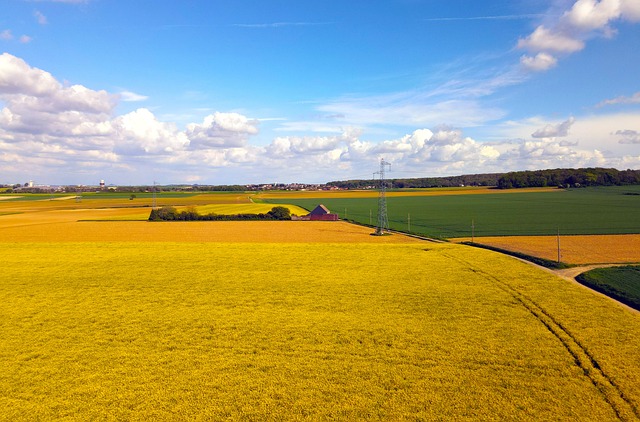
x,y
569,178
169,213
518,179
488,179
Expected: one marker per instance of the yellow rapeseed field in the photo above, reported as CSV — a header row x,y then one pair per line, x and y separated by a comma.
x,y
273,331
591,249
273,320
230,209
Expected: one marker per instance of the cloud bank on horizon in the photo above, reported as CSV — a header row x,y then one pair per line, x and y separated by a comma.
x,y
512,104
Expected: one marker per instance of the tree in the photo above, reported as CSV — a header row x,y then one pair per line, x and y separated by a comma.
x,y
280,213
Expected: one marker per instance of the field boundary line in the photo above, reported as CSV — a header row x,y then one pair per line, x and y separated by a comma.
x,y
610,391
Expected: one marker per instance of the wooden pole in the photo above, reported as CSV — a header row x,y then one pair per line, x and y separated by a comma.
x,y
558,245
473,229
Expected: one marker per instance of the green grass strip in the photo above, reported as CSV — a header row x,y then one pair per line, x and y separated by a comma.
x,y
620,283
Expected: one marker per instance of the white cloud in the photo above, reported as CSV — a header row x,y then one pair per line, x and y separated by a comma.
x,y
540,62
411,109
544,39
140,131
132,96
630,10
592,14
634,99
25,39
597,15
628,136
568,33
554,130
40,17
222,130
6,35
16,76
46,125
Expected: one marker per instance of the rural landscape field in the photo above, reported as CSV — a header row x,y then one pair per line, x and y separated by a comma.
x,y
108,316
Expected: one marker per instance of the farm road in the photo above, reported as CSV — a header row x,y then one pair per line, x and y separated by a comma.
x,y
573,272
570,274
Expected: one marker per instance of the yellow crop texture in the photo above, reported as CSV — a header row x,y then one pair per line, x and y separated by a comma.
x,y
273,331
230,209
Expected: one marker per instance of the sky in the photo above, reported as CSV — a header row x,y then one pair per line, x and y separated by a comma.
x,y
282,91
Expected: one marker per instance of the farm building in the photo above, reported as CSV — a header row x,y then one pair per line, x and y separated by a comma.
x,y
322,213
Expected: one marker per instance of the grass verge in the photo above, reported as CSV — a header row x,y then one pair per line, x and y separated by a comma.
x,y
620,283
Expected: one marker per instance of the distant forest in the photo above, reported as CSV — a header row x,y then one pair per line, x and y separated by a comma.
x,y
518,179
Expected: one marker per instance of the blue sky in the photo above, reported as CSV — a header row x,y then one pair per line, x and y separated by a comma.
x,y
293,91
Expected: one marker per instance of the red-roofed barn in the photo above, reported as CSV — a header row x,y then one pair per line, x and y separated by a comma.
x,y
321,213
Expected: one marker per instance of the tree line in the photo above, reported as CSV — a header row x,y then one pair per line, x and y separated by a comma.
x,y
487,179
168,213
518,179
569,178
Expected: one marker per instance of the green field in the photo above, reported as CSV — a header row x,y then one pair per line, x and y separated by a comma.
x,y
602,210
306,331
621,283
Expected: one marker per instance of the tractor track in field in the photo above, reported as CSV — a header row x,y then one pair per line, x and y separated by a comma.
x,y
612,394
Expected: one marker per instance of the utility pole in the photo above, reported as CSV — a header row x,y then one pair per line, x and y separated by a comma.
x,y
473,228
383,219
558,238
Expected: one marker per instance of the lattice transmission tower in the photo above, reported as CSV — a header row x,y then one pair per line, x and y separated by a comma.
x,y
383,219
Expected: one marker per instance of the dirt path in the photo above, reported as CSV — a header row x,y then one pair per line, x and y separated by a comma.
x,y
573,272
570,274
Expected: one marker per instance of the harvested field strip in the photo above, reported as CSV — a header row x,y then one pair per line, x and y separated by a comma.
x,y
230,209
51,228
582,250
625,410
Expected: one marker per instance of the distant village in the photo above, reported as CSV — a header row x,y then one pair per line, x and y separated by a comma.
x,y
564,178
32,187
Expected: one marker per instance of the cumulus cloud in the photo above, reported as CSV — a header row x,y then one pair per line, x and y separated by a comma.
x,y
554,131
222,130
46,125
36,103
566,35
140,131
628,136
545,39
17,77
550,154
